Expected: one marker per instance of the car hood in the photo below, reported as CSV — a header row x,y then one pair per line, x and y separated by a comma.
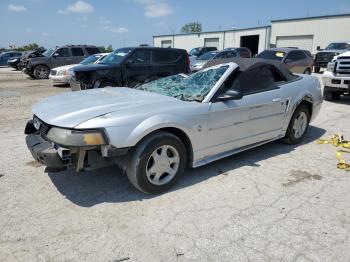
x,y
66,67
93,67
343,54
73,108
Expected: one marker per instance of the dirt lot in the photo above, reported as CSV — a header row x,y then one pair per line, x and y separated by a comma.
x,y
273,203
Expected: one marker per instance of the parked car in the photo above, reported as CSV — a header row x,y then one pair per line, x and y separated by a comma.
x,y
336,79
4,57
14,61
199,62
62,74
130,67
39,66
198,51
325,56
157,129
296,60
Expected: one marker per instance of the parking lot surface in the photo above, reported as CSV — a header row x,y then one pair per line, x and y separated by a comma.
x,y
277,202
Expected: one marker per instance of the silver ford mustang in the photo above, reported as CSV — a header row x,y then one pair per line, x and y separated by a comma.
x,y
154,131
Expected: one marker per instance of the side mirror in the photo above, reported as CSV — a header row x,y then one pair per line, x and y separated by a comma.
x,y
230,95
318,48
55,55
288,60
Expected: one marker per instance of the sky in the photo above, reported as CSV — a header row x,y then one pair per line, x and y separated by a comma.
x,y
133,22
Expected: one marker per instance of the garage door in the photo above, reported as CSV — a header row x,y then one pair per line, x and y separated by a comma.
x,y
211,42
300,41
166,43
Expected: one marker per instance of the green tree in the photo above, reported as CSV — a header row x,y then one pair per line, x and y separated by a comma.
x,y
109,49
192,27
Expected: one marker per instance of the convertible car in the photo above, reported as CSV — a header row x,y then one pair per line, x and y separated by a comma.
x,y
154,131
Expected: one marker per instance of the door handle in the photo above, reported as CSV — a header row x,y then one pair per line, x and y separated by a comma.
x,y
277,99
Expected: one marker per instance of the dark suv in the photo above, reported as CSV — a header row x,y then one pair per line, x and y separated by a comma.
x,y
39,66
131,67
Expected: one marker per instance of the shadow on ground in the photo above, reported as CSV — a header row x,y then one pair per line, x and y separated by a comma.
x,y
110,185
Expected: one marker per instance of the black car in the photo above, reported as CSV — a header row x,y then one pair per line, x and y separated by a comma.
x,y
39,66
198,51
131,67
4,57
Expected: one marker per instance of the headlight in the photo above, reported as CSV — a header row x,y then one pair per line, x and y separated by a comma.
x,y
68,137
60,73
330,66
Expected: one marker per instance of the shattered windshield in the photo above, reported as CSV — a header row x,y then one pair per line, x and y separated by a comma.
x,y
192,88
49,51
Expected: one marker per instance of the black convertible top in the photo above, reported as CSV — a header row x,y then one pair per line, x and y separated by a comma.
x,y
246,63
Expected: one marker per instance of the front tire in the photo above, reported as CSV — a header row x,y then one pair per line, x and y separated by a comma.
x,y
157,162
298,125
41,72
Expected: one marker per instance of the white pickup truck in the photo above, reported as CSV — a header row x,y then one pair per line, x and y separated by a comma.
x,y
336,79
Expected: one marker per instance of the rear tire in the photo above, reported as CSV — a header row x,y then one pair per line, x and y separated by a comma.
x,y
41,72
298,125
316,69
156,163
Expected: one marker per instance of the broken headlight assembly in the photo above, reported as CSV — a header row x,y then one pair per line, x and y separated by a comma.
x,y
76,138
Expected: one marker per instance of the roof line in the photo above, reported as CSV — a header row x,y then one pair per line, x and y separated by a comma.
x,y
311,17
219,31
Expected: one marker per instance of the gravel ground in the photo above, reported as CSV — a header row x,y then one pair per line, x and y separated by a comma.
x,y
273,203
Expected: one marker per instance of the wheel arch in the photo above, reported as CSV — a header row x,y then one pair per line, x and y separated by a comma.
x,y
181,134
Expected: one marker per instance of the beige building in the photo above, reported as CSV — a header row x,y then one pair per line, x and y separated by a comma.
x,y
306,33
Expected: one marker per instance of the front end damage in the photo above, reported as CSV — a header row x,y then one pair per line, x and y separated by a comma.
x,y
60,156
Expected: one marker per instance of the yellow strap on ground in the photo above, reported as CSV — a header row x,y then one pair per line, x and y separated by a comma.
x,y
342,164
338,140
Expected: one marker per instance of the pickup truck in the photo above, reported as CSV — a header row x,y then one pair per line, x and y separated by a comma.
x,y
336,79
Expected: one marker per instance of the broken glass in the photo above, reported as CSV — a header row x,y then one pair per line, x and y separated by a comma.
x,y
192,88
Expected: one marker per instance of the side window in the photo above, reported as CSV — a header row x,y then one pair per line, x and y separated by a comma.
x,y
92,50
295,56
63,52
254,80
165,56
77,51
140,57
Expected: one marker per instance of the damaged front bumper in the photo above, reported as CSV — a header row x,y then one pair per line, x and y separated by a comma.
x,y
85,158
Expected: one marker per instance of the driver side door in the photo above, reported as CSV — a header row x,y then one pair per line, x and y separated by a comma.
x,y
61,57
256,117
138,67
